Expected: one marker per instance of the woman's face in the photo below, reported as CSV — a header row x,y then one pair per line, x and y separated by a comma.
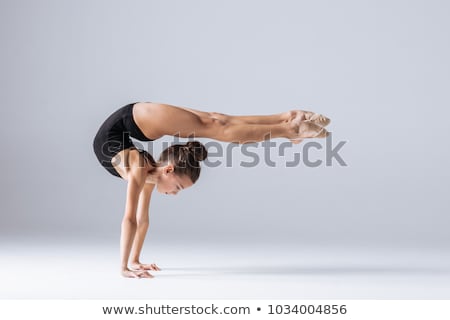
x,y
170,183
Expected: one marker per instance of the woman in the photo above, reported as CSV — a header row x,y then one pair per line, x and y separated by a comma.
x,y
178,166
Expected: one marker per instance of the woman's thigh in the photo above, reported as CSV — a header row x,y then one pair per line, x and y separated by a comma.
x,y
157,119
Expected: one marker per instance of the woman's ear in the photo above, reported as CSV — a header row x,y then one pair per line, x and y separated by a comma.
x,y
169,168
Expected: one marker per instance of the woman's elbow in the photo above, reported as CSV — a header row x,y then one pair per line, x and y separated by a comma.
x,y
129,221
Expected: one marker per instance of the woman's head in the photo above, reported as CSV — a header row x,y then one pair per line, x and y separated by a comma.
x,y
180,164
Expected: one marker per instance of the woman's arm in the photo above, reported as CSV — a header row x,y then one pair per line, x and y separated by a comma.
x,y
142,227
136,180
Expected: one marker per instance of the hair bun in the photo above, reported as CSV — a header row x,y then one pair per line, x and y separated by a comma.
x,y
197,149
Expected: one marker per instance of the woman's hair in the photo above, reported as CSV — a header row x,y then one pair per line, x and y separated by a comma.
x,y
185,158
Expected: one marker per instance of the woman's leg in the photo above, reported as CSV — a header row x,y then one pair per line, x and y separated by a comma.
x,y
264,119
247,119
156,120
142,220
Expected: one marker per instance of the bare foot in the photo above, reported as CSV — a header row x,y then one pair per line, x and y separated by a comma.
x,y
136,274
143,266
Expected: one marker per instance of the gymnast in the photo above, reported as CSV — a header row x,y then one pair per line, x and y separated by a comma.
x,y
178,166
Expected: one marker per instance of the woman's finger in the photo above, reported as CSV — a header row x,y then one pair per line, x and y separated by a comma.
x,y
155,267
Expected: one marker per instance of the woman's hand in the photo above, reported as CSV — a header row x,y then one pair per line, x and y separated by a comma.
x,y
141,266
136,274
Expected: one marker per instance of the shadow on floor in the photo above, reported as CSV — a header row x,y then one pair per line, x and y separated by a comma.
x,y
293,270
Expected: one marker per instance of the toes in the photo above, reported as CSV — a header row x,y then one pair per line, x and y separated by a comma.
x,y
320,119
325,121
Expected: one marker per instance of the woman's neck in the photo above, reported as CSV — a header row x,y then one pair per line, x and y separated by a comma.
x,y
153,174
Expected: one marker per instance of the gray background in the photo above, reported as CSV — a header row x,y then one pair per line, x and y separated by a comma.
x,y
379,69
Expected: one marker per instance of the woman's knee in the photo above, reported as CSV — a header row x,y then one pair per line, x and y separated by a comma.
x,y
214,126
142,222
221,117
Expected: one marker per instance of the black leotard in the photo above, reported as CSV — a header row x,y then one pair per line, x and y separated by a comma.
x,y
114,134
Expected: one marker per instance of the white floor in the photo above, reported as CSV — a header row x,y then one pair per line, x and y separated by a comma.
x,y
217,271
